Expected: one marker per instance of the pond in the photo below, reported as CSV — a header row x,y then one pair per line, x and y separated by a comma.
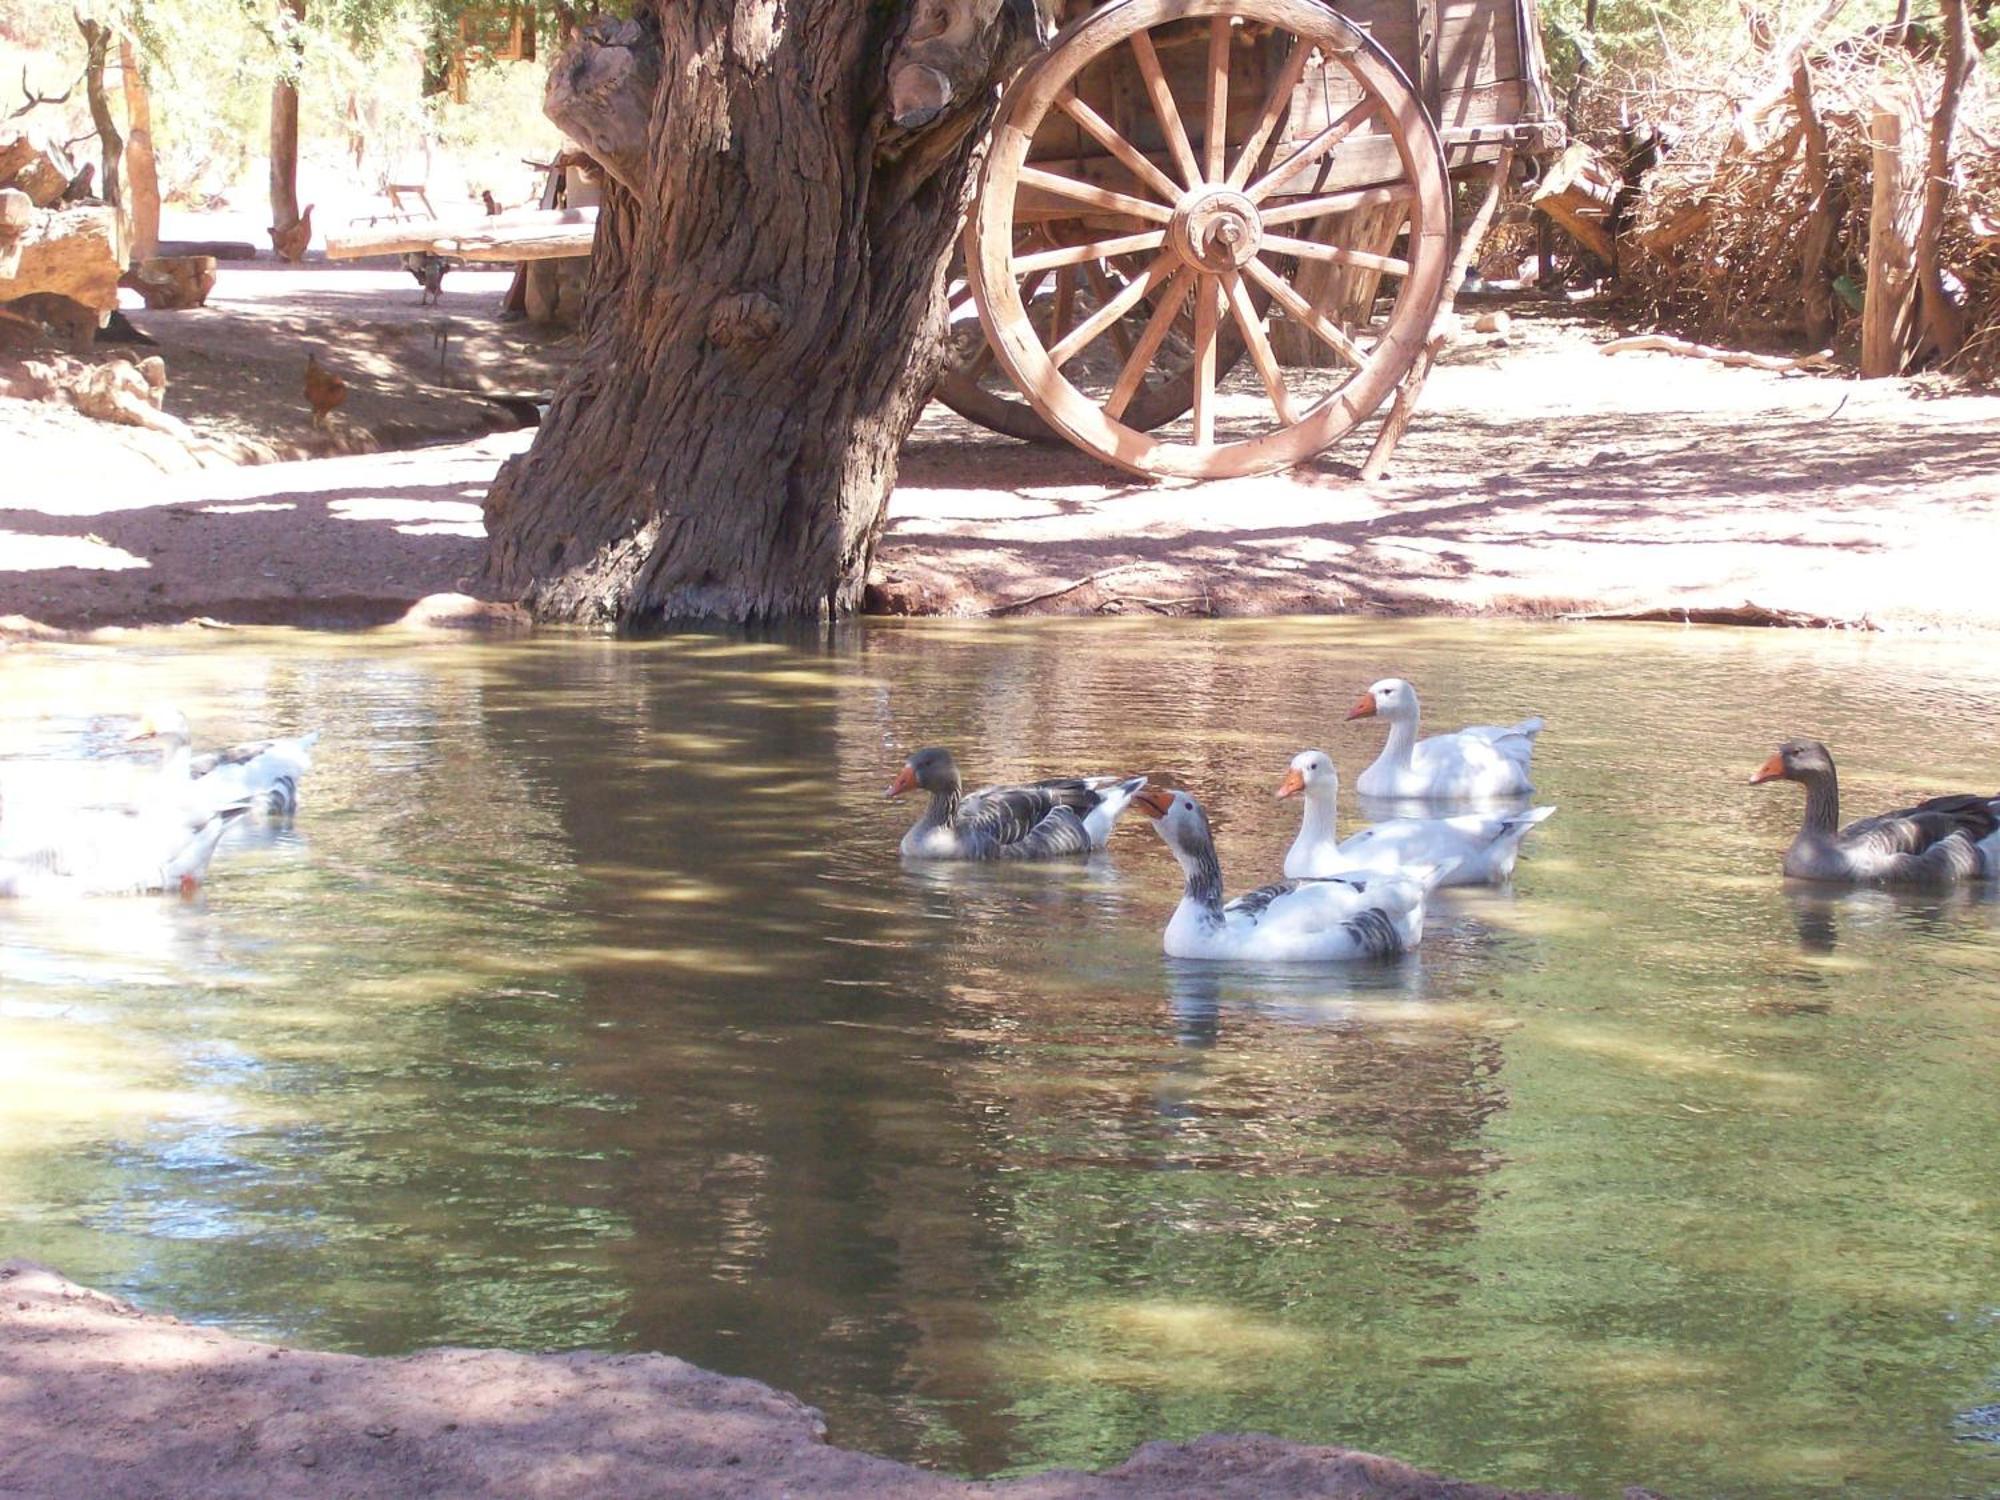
x,y
588,1006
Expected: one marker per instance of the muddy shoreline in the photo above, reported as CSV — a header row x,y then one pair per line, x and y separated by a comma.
x,y
101,1399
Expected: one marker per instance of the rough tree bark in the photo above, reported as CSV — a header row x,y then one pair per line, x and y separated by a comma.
x,y
141,172
783,181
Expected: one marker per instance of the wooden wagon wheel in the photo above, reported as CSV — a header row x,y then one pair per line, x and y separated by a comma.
x,y
1211,226
968,383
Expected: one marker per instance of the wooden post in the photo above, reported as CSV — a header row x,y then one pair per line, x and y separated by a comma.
x,y
1405,404
1885,315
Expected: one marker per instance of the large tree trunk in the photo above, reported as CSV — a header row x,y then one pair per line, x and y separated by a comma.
x,y
766,302
141,172
285,121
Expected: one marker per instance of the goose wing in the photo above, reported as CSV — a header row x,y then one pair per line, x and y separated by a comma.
x,y
1058,834
1934,840
1005,814
1008,814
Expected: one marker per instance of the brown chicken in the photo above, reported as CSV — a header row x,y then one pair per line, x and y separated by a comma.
x,y
324,389
290,241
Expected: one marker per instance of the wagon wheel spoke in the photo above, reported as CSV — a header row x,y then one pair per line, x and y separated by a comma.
x,y
1095,250
1336,203
1086,332
1164,107
1277,104
1340,255
1204,360
1166,312
1261,353
1106,135
1100,284
1311,151
1215,132
1282,293
1073,190
1065,308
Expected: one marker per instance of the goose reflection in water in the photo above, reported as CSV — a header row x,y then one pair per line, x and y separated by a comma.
x,y
1824,914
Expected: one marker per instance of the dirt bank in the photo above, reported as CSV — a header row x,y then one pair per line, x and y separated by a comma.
x,y
1542,477
100,1399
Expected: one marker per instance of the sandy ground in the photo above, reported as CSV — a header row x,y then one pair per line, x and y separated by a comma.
x,y
1541,477
99,1399
235,371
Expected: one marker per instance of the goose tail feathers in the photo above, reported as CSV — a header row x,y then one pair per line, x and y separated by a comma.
x,y
1112,801
1429,874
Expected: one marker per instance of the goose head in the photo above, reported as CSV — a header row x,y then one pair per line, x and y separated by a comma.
x,y
1795,760
1178,820
1312,772
931,768
161,722
1391,698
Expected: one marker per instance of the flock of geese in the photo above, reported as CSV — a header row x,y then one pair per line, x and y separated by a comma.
x,y
68,835
1358,897
1363,896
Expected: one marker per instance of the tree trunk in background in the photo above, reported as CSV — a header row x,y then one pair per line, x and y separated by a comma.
x,y
1942,316
765,312
285,121
141,172
97,38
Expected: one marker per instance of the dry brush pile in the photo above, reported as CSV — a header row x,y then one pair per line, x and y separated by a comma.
x,y
1755,227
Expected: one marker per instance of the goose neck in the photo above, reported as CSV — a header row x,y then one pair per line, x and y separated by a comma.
x,y
1822,802
1318,824
1204,878
1402,739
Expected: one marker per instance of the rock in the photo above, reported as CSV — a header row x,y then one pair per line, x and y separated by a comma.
x,y
70,253
1492,322
173,281
638,1426
35,164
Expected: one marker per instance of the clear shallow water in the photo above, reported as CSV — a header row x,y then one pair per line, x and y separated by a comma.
x,y
587,1006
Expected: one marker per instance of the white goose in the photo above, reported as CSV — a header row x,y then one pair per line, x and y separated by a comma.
x,y
1484,760
1293,921
108,851
1481,847
267,772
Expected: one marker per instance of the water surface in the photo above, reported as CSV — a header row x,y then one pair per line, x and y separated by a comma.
x,y
586,1005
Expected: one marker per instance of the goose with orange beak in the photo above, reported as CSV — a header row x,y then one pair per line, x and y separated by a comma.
x,y
1939,842
1292,921
1478,763
1041,820
1481,847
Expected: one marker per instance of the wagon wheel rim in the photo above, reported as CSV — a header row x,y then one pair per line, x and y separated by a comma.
x,y
973,385
1219,217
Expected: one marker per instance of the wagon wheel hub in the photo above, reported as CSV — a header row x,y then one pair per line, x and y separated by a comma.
x,y
1215,229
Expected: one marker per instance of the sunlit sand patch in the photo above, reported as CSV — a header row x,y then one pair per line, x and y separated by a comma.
x,y
25,553
687,959
1654,1055
80,1082
1168,1345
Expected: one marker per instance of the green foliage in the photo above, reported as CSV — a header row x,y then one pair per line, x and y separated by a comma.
x,y
360,69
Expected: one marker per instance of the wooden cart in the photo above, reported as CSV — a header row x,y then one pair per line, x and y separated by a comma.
x,y
1177,184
